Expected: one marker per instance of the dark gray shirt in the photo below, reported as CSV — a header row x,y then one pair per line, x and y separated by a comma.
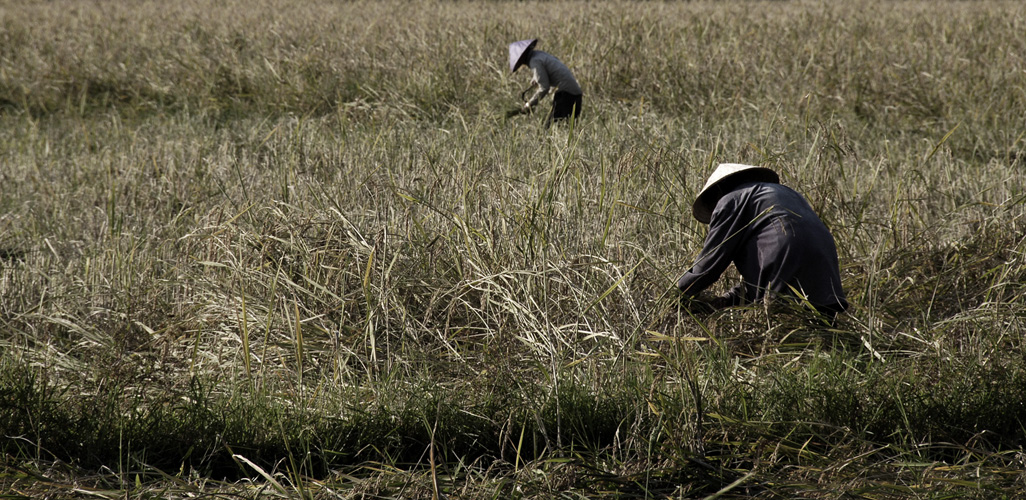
x,y
776,242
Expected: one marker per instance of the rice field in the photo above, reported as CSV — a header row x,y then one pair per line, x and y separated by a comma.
x,y
297,250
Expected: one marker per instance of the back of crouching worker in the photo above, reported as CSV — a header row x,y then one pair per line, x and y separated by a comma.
x,y
774,238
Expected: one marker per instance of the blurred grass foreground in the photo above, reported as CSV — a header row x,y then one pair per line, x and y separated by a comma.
x,y
296,249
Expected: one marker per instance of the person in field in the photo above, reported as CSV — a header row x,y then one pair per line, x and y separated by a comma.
x,y
775,240
548,72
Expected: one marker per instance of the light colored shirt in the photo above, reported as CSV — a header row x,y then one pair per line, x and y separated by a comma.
x,y
550,72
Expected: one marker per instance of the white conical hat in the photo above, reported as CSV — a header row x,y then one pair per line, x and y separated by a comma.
x,y
706,200
517,51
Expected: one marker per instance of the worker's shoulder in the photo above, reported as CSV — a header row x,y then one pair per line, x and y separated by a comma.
x,y
774,189
539,58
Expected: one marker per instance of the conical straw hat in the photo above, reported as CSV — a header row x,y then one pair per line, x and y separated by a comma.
x,y
517,51
706,200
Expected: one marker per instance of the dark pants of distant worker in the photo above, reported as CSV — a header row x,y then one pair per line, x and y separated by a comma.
x,y
564,105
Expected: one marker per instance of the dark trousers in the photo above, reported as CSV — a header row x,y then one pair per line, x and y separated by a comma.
x,y
564,105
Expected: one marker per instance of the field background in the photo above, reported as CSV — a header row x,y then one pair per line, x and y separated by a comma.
x,y
294,249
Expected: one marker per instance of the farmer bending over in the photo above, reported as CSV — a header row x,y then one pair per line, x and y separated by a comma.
x,y
775,240
548,72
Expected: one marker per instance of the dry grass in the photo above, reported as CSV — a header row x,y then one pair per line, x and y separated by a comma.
x,y
268,249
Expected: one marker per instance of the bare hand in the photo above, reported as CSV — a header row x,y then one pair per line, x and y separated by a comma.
x,y
719,302
704,303
694,305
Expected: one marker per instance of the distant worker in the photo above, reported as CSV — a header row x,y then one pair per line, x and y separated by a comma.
x,y
776,241
548,72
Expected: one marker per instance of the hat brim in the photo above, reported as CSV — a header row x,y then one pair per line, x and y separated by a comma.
x,y
524,47
705,202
